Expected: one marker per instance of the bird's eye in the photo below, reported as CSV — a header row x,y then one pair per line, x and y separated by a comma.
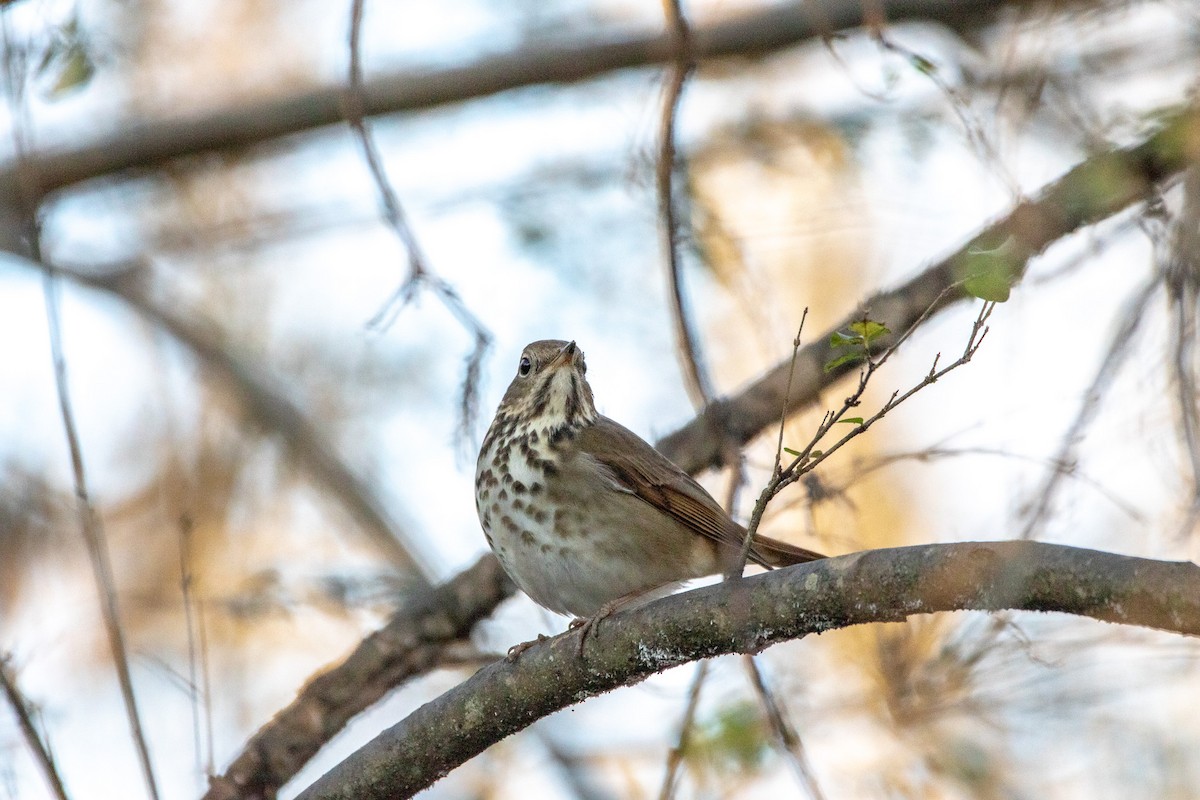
x,y
526,365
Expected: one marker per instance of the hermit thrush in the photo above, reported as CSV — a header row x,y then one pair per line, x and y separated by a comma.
x,y
585,515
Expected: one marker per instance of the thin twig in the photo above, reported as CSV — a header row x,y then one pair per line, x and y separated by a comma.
x,y
696,378
865,467
419,273
189,624
1183,292
24,712
807,459
739,567
676,756
973,128
210,766
93,531
94,536
1119,348
785,731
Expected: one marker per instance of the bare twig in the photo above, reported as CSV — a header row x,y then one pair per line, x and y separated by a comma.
x,y
419,273
686,726
973,128
1119,348
696,378
807,459
94,537
93,532
785,731
24,712
736,570
199,719
1182,281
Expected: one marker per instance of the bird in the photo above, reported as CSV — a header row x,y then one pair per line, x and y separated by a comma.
x,y
583,514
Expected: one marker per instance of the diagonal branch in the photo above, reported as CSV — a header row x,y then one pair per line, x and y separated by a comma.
x,y
1092,191
411,644
265,405
749,615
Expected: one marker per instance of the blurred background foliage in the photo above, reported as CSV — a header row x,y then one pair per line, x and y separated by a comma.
x,y
815,176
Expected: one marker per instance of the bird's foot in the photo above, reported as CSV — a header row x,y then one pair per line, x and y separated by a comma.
x,y
515,651
589,624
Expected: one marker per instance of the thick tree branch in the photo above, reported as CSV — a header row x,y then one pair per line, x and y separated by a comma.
x,y
411,644
1092,191
748,615
149,144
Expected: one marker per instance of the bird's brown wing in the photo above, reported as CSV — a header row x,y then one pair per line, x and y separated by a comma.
x,y
643,471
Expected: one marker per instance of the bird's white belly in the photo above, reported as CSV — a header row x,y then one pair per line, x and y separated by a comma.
x,y
542,540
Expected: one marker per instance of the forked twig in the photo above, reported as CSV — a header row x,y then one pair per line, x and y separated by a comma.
x,y
807,459
419,274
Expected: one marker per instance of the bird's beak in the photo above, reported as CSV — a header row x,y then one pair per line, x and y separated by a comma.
x,y
565,356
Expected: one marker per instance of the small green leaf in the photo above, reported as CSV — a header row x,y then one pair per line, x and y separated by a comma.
x,y
844,358
923,64
816,454
791,452
838,339
76,70
869,330
852,420
66,64
990,274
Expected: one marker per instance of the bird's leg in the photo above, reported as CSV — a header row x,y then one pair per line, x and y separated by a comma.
x,y
589,624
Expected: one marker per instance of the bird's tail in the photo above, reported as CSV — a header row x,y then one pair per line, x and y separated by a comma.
x,y
770,552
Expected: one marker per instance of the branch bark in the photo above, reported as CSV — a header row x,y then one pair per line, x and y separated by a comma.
x,y
411,644
141,145
748,615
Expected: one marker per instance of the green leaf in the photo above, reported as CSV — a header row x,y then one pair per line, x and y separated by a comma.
x,y
74,73
869,330
990,274
791,452
838,339
923,64
66,64
844,358
852,420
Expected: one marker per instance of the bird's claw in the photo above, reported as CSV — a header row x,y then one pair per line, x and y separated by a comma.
x,y
515,651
